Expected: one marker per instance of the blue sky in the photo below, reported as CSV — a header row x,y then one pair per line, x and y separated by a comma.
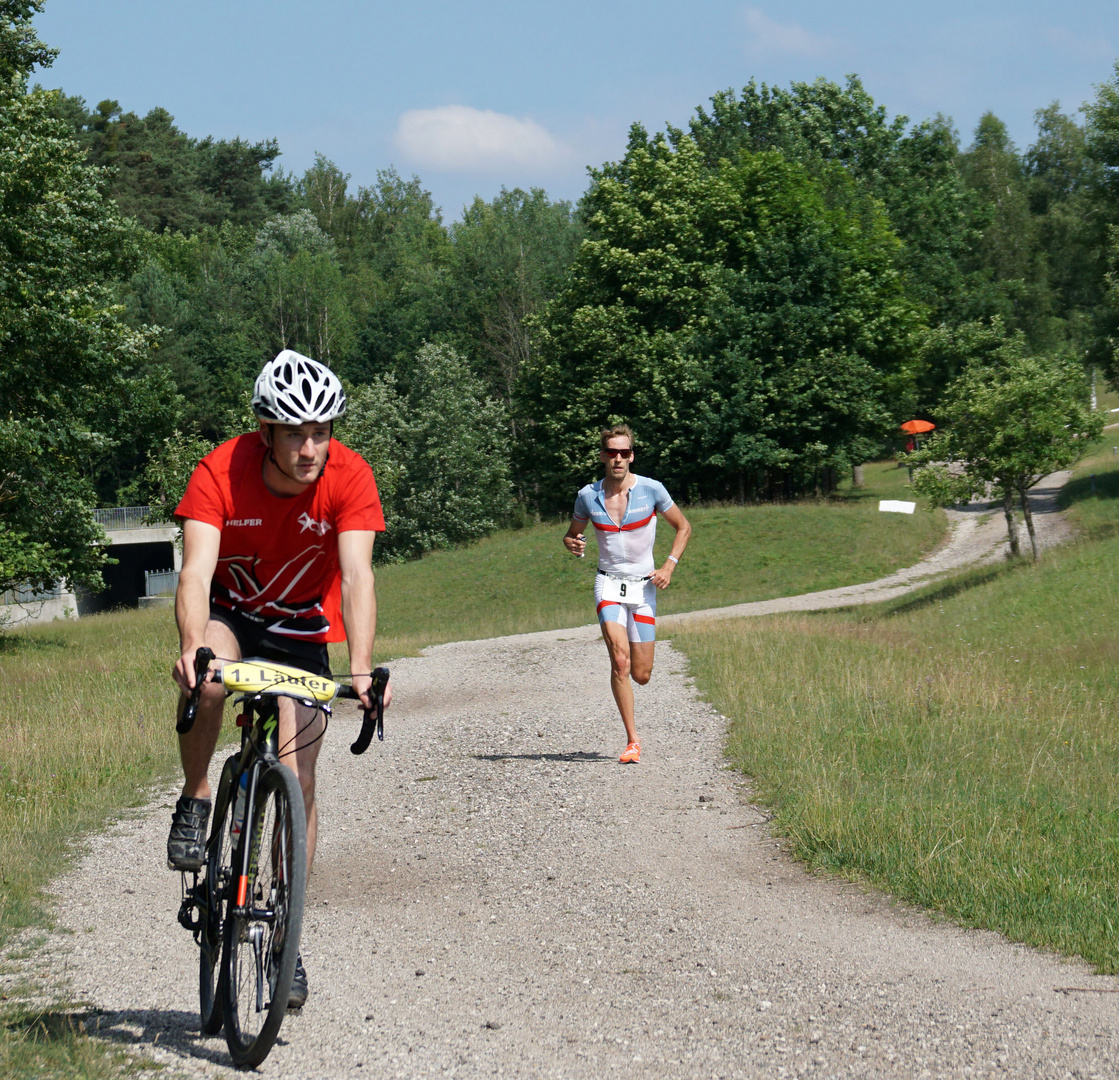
x,y
474,96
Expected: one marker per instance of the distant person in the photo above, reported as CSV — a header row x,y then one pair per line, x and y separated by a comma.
x,y
278,529
623,508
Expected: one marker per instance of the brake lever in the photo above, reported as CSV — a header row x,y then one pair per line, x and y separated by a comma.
x,y
202,658
373,718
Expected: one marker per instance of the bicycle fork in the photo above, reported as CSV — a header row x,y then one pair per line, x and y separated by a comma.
x,y
256,939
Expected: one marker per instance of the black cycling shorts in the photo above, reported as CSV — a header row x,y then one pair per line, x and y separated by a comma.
x,y
254,639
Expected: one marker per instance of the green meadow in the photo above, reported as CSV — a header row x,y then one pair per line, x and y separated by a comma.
x,y
955,747
521,581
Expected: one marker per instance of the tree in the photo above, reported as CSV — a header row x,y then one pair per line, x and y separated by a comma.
x,y
510,256
47,529
1102,135
934,215
323,190
811,123
753,333
169,181
20,47
206,294
1102,145
992,167
168,470
912,176
1011,419
1006,261
1111,307
440,454
375,425
76,383
401,241
1061,184
302,293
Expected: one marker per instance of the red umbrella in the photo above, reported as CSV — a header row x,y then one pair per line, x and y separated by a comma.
x,y
917,427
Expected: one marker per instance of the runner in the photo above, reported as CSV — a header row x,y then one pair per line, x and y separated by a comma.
x,y
624,507
278,529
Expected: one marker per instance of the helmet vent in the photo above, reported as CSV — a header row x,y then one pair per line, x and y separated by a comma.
x,y
294,389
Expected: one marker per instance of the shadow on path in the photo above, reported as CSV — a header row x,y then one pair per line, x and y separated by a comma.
x,y
571,756
173,1029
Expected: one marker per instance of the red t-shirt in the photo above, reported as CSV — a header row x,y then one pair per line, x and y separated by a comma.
x,y
278,559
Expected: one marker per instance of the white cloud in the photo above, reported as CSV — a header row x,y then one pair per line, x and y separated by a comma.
x,y
458,137
789,39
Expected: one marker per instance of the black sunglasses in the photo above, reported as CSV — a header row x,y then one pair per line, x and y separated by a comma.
x,y
610,452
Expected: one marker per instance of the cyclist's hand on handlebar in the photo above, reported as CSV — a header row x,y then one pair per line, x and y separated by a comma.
x,y
362,683
183,671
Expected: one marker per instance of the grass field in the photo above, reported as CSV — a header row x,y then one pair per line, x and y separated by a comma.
x,y
518,582
86,732
956,747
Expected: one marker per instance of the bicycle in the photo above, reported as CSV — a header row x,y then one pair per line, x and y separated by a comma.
x,y
245,906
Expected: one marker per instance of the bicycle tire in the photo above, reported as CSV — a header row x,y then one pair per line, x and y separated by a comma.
x,y
262,938
214,884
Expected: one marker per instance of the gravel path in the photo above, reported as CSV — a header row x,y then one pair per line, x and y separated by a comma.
x,y
495,896
978,536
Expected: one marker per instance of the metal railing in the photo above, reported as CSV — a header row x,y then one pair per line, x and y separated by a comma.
x,y
123,517
160,582
28,595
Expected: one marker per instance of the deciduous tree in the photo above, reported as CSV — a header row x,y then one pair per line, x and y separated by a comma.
x,y
913,175
76,381
751,332
510,256
1009,419
303,296
440,453
1102,144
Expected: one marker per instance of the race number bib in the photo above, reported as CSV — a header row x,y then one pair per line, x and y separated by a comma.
x,y
624,590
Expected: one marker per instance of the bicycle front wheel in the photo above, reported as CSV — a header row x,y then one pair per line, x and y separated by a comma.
x,y
262,934
214,890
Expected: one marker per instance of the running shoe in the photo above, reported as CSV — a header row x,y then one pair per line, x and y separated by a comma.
x,y
631,755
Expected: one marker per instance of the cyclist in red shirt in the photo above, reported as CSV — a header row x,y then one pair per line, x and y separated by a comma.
x,y
278,529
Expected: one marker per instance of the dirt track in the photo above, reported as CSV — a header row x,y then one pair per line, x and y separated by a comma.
x,y
495,896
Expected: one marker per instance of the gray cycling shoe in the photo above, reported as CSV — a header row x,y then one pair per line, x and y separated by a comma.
x,y
186,844
298,994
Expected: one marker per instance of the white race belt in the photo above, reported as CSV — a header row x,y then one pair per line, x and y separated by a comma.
x,y
623,590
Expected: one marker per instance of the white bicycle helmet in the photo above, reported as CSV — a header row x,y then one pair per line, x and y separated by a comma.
x,y
294,389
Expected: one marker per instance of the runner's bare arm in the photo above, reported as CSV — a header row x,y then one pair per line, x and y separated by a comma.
x,y
675,517
359,606
201,543
573,539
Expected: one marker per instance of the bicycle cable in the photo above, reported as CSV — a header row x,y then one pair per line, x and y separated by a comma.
x,y
283,751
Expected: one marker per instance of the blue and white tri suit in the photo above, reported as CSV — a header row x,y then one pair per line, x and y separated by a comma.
x,y
626,550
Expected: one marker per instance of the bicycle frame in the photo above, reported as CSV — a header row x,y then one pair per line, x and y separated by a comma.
x,y
219,908
260,750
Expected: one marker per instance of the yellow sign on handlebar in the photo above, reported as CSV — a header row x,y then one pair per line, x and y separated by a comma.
x,y
263,677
